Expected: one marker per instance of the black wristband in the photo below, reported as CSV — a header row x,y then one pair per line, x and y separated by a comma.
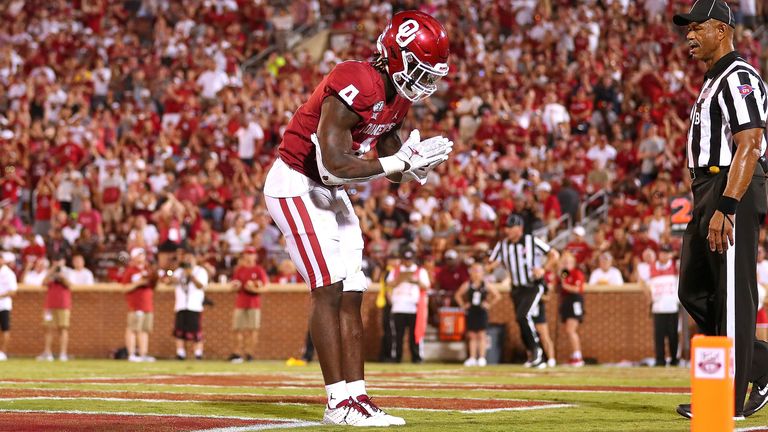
x,y
727,205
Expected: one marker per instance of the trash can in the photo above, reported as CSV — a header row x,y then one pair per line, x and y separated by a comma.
x,y
495,342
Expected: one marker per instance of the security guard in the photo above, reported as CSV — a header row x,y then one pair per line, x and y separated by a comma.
x,y
726,139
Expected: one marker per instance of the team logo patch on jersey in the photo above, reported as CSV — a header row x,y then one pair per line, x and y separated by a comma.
x,y
745,90
377,108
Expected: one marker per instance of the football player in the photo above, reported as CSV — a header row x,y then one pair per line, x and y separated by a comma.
x,y
359,106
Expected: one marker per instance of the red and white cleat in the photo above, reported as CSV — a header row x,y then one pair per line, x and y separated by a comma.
x,y
351,413
377,412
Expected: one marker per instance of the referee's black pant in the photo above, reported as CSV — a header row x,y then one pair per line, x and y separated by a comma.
x,y
720,290
526,299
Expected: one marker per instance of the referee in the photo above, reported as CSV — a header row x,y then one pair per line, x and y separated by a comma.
x,y
726,140
522,255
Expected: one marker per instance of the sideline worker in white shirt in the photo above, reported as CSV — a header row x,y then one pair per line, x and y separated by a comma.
x,y
407,281
8,287
190,281
662,288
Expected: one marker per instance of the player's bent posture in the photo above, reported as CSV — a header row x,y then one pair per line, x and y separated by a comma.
x,y
357,107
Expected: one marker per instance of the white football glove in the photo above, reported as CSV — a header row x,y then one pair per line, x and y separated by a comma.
x,y
423,154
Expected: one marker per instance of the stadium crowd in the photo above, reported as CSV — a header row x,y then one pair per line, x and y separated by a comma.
x,y
131,124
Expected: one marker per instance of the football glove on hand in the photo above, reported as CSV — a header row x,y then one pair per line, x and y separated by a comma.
x,y
418,154
420,174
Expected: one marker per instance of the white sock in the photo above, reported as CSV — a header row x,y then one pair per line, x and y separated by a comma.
x,y
198,353
577,355
337,393
181,353
356,388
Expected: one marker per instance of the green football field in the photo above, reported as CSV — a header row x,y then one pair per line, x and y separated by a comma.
x,y
96,395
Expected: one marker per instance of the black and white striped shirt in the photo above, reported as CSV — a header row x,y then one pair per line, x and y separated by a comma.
x,y
521,257
732,99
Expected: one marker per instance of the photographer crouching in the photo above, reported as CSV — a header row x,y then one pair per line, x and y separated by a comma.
x,y
189,281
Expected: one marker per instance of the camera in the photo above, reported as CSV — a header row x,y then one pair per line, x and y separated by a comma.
x,y
564,274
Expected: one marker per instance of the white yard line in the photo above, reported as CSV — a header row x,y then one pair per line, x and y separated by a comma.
x,y
753,428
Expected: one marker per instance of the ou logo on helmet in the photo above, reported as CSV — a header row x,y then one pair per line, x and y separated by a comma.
x,y
406,33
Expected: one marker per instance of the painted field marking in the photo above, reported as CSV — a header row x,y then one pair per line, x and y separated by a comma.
x,y
128,413
259,427
530,408
752,429
545,404
396,387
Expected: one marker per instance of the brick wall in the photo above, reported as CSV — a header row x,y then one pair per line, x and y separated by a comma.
x,y
617,325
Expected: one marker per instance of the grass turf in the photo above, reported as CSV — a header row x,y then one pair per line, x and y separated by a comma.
x,y
590,411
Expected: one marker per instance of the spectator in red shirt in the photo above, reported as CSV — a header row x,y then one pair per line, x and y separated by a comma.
x,y
286,273
90,218
191,190
112,190
10,185
451,275
249,278
572,304
141,281
44,206
550,204
641,242
579,247
58,303
478,229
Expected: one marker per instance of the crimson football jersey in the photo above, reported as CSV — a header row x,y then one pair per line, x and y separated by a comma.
x,y
359,86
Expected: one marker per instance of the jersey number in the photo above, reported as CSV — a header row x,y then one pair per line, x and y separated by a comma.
x,y
348,93
406,33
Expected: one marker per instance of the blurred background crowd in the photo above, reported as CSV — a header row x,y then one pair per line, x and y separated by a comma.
x,y
151,124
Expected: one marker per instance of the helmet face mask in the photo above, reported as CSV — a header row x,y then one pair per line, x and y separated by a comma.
x,y
417,80
415,49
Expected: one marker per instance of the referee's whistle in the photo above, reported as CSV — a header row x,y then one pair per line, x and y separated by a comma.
x,y
714,169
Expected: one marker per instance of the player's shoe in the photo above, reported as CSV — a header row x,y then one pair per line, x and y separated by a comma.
x,y
482,362
538,360
45,357
375,411
148,359
685,411
133,358
576,362
470,362
758,398
63,357
3,356
551,363
351,413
